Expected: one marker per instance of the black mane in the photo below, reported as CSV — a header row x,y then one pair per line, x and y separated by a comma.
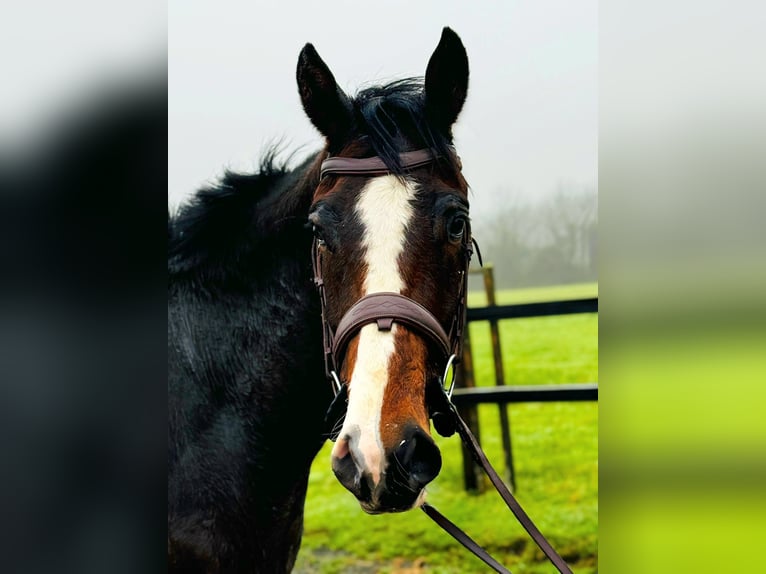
x,y
393,115
222,223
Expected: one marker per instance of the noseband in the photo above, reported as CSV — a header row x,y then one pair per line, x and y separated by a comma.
x,y
385,309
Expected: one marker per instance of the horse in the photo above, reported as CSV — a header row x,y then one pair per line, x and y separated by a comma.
x,y
248,329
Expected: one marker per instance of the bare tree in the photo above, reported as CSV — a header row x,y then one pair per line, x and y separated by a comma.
x,y
547,242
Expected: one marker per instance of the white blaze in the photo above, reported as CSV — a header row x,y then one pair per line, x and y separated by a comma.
x,y
385,209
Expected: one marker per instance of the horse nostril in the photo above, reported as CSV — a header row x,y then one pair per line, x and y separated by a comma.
x,y
340,450
346,471
419,456
343,464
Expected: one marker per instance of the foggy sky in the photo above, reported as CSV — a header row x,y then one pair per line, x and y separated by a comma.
x,y
529,124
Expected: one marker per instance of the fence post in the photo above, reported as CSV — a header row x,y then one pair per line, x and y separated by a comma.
x,y
473,475
497,353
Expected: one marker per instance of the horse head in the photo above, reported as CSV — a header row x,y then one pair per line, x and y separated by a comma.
x,y
401,230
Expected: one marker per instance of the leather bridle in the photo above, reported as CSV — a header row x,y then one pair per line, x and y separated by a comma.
x,y
385,309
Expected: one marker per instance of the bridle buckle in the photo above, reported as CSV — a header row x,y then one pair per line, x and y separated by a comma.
x,y
450,363
335,382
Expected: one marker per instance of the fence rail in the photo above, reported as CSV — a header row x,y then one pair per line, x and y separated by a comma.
x,y
526,394
522,310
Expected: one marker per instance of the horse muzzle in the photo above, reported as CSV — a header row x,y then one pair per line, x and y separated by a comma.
x,y
397,485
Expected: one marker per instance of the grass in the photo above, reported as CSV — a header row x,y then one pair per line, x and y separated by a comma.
x,y
555,454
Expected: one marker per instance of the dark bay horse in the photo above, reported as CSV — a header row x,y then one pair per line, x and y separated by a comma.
x,y
246,399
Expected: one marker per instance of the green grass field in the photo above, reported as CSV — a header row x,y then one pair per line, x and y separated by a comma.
x,y
555,454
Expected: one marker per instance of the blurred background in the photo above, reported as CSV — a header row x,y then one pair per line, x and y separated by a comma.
x,y
83,409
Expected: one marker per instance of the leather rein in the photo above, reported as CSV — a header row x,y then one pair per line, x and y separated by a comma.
x,y
385,309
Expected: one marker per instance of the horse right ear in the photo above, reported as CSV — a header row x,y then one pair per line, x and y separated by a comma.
x,y
328,108
447,80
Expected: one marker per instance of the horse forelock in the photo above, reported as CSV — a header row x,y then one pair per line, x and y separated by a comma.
x,y
392,118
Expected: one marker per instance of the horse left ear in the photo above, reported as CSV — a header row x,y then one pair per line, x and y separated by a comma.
x,y
447,80
326,105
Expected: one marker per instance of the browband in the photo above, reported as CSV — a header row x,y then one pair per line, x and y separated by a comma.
x,y
375,165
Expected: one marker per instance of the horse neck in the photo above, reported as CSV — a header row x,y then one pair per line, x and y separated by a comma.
x,y
247,307
245,366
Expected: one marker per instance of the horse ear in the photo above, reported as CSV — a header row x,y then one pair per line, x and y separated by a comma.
x,y
328,108
447,80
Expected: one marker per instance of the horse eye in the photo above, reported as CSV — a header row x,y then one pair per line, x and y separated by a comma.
x,y
456,228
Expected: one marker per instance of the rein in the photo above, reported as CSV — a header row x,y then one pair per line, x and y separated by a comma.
x,y
478,454
385,309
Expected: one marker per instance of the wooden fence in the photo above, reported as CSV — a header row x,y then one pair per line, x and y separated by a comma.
x,y
467,395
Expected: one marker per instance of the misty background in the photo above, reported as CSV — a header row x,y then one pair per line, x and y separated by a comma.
x,y
528,135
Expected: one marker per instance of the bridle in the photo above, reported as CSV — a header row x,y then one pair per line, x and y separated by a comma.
x,y
385,309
